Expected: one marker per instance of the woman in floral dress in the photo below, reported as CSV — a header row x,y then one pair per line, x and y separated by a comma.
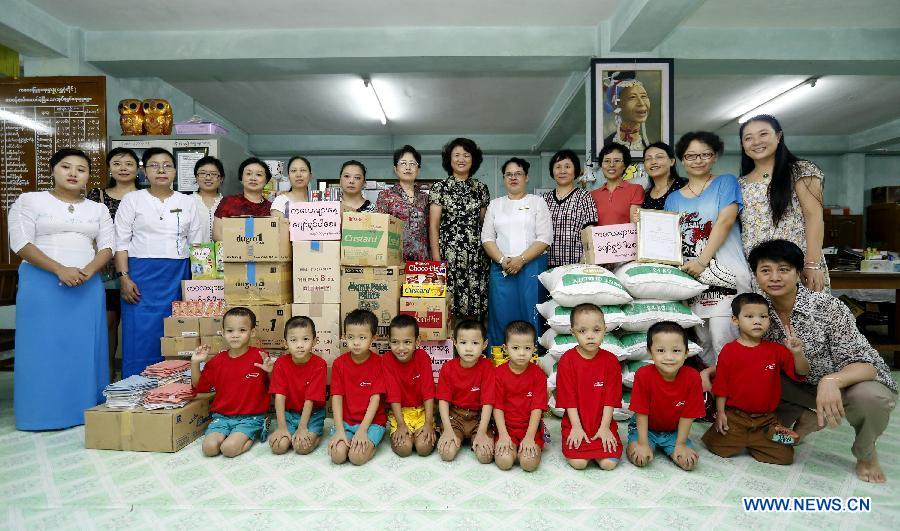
x,y
457,212
407,202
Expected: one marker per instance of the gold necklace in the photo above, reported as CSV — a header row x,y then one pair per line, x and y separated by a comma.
x,y
71,207
706,182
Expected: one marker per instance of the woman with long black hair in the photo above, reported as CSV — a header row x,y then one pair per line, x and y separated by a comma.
x,y
782,197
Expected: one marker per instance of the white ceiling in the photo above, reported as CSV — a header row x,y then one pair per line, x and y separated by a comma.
x,y
797,13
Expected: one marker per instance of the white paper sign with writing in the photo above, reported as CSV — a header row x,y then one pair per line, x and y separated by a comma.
x,y
316,220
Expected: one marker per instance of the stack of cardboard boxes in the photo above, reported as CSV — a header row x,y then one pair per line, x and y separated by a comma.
x,y
425,298
257,265
315,229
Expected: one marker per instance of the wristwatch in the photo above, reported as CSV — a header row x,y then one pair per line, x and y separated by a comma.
x,y
121,274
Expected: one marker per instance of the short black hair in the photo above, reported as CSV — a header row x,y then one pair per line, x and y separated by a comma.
x,y
353,162
361,317
152,152
407,149
666,327
240,311
471,148
777,251
615,146
115,152
519,328
516,160
298,157
710,139
68,152
404,321
299,321
565,154
585,307
470,324
744,299
673,171
210,160
254,160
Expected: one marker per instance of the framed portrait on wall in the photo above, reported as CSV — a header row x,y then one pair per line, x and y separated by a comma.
x,y
632,103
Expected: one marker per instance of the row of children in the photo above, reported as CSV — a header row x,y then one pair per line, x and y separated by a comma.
x,y
499,410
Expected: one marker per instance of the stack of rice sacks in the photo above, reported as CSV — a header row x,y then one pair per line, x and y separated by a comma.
x,y
632,299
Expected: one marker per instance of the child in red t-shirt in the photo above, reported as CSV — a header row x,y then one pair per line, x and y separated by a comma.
x,y
747,386
410,390
521,399
589,387
298,383
666,398
465,394
357,386
240,378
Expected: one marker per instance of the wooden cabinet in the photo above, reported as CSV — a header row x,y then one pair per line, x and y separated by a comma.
x,y
883,226
843,231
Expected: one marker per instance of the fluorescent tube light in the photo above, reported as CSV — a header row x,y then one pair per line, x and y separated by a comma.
x,y
377,108
777,102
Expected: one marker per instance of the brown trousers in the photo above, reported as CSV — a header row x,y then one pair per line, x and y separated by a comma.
x,y
752,432
868,407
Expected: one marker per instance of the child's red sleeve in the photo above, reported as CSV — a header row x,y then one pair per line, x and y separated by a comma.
x,y
426,379
315,391
488,384
391,382
539,400
278,382
695,407
721,385
565,385
207,377
444,385
337,378
613,378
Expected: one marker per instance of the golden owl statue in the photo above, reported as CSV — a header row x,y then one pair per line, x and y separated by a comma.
x,y
157,117
131,117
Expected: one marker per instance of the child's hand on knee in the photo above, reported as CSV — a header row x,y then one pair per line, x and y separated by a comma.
x,y
641,454
277,435
301,438
337,440
528,448
426,435
360,441
504,445
606,437
482,441
576,437
448,440
684,456
402,433
722,422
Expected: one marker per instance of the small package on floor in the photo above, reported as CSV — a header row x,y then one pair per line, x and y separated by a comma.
x,y
258,283
370,239
262,239
203,290
432,314
571,285
163,430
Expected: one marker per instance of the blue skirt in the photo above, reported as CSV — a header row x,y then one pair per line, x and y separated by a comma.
x,y
61,364
159,281
514,298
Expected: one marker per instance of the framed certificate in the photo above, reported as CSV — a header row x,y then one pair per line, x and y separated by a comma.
x,y
659,237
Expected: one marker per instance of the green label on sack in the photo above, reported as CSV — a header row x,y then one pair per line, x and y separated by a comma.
x,y
361,238
562,310
637,308
576,279
631,340
657,270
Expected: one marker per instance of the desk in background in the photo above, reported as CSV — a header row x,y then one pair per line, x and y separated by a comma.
x,y
857,280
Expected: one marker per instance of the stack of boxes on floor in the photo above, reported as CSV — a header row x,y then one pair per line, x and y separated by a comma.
x,y
633,299
426,298
257,263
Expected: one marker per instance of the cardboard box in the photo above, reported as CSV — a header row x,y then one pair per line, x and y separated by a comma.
x,y
440,353
317,272
203,290
431,314
216,343
203,261
316,220
210,326
371,288
178,347
140,430
263,239
426,272
198,308
181,327
270,322
609,244
369,239
257,283
327,318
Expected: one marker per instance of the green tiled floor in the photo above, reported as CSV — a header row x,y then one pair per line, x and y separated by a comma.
x,y
49,481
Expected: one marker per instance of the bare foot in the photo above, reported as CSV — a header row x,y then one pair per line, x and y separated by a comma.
x,y
806,424
870,471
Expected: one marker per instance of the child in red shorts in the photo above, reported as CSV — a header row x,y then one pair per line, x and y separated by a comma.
x,y
747,386
589,387
521,399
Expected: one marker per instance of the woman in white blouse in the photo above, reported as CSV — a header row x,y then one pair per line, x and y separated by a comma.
x,y
209,173
155,228
61,344
299,174
516,233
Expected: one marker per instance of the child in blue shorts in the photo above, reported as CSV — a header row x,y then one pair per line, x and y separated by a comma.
x,y
298,383
357,393
240,376
666,398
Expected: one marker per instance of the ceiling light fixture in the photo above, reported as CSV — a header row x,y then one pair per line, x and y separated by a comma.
x,y
767,106
375,101
24,121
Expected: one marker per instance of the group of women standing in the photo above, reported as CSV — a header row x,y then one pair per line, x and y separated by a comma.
x,y
494,249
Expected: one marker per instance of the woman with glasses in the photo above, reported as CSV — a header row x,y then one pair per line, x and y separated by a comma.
x,y
659,163
407,202
123,169
616,200
516,234
254,175
299,175
155,228
571,209
209,174
711,241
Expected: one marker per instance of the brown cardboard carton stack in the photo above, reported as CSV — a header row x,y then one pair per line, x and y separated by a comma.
x,y
182,335
425,298
257,262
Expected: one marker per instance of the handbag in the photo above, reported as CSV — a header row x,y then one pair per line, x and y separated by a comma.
x,y
718,276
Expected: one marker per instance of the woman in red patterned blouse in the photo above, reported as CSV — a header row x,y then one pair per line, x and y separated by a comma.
x,y
254,175
407,202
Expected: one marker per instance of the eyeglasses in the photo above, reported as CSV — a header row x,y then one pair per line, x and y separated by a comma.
x,y
612,162
702,156
212,174
656,157
516,174
407,164
166,168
